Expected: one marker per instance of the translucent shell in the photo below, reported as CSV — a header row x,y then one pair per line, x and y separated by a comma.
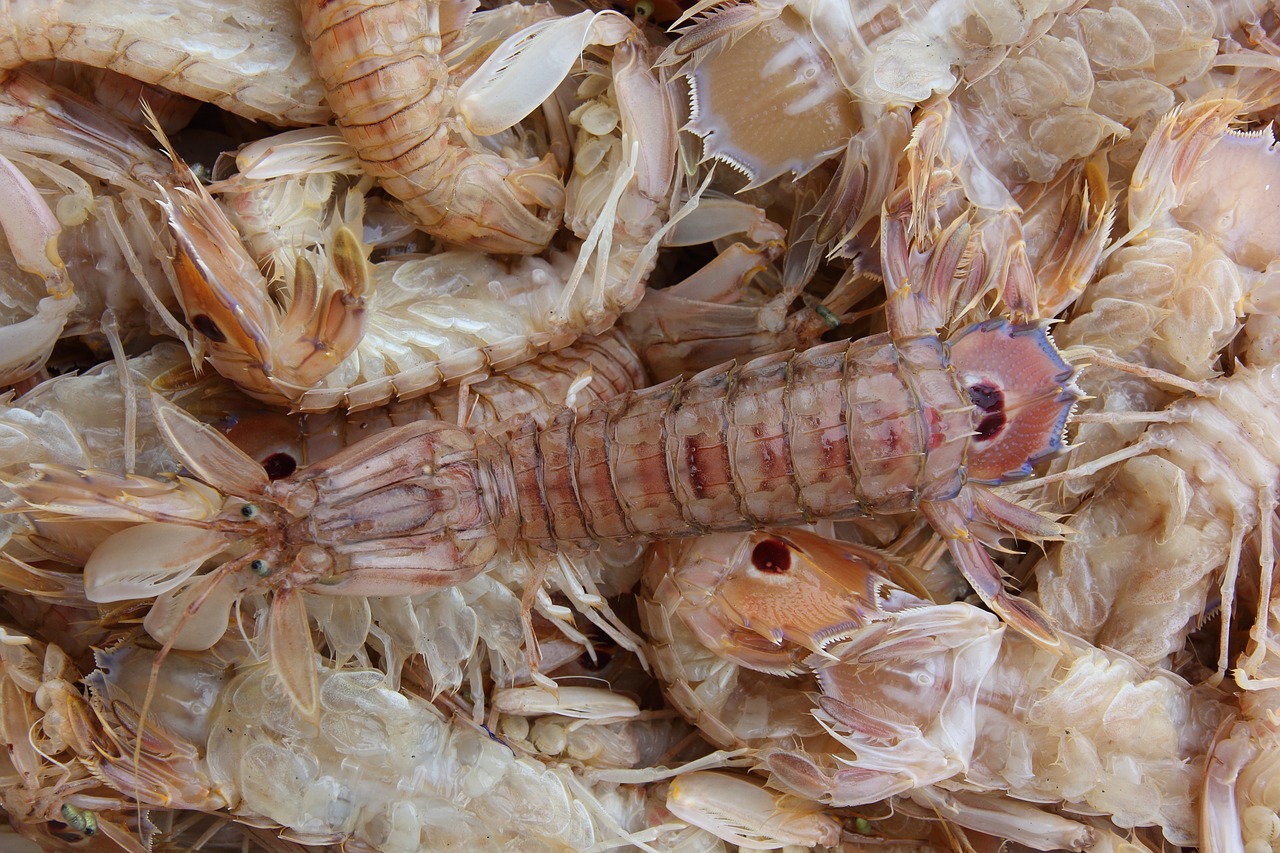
x,y
770,101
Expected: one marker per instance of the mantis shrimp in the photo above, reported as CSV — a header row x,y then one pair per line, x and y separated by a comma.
x,y
937,701
884,425
406,326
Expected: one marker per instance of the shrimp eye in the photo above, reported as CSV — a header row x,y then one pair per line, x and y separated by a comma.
x,y
260,568
204,325
644,10
772,556
249,512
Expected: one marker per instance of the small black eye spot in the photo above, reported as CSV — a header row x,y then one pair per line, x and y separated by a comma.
x,y
772,556
260,568
204,324
249,512
279,465
990,426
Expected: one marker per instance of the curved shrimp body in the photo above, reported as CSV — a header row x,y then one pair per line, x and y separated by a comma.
x,y
251,62
443,318
389,86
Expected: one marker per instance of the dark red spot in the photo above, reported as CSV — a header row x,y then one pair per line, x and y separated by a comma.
x,y
696,480
204,325
279,465
987,397
991,425
772,556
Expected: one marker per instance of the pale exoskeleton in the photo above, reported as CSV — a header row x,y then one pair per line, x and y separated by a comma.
x,y
1199,260
47,792
843,67
98,245
251,60
407,325
1174,290
924,695
369,767
1098,80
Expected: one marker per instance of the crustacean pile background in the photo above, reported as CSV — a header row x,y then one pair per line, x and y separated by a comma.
x,y
333,520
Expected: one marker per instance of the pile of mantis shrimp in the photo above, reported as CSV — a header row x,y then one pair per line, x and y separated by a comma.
x,y
737,424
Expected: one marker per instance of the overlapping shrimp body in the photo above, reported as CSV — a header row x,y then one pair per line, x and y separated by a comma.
x,y
942,695
84,421
372,766
383,69
1175,290
250,60
409,324
106,236
885,425
1099,79
591,369
737,685
828,71
476,627
1136,580
46,726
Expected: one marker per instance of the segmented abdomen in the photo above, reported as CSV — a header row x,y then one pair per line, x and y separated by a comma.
x,y
841,429
386,83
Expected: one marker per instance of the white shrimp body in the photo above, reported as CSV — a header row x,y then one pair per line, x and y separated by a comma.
x,y
372,767
1176,288
1135,580
922,695
1100,78
250,60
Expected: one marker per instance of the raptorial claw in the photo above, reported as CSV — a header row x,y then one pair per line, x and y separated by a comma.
x,y
273,355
